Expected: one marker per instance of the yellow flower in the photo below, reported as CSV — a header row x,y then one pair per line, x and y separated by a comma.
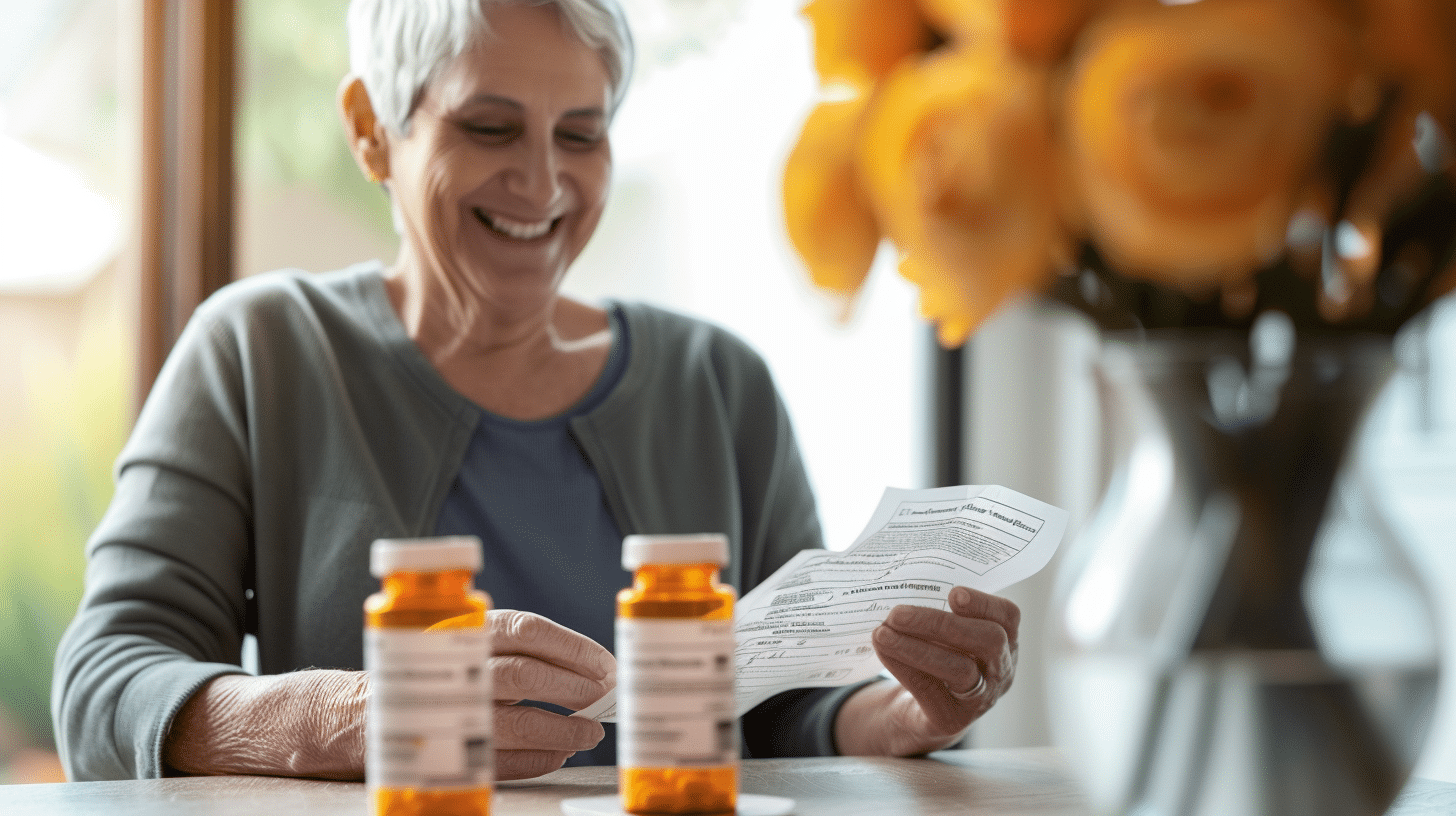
x,y
1037,30
859,41
1043,30
829,220
1192,129
956,156
941,297
987,138
1412,43
964,22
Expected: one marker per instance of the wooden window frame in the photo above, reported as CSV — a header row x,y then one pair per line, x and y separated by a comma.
x,y
184,229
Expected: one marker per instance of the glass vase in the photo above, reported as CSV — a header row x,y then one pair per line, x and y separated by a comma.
x,y
1238,630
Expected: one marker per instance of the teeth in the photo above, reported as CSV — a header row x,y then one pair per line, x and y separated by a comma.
x,y
520,230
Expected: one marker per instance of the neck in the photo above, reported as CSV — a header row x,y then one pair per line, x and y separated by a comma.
x,y
448,320
522,360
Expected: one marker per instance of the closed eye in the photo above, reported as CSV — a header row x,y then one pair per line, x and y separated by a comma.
x,y
494,134
580,139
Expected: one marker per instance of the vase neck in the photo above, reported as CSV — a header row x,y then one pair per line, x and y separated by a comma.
x,y
1272,439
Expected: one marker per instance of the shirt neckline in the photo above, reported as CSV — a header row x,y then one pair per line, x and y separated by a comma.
x,y
606,382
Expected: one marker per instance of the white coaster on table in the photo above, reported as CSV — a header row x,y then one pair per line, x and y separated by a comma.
x,y
749,804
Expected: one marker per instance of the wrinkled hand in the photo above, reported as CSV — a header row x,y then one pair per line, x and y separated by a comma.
x,y
951,667
535,658
311,723
304,723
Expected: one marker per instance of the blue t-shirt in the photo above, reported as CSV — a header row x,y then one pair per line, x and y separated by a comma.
x,y
551,545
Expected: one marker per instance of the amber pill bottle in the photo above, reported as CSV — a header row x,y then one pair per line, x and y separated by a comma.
x,y
427,650
677,733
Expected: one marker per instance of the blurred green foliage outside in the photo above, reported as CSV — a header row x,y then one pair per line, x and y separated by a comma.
x,y
293,57
55,481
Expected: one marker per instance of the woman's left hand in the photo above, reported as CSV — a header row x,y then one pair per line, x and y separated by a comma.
x,y
951,667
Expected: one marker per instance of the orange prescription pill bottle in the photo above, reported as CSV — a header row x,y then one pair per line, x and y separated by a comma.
x,y
427,650
677,733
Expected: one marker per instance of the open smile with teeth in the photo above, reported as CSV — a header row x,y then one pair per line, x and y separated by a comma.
x,y
519,230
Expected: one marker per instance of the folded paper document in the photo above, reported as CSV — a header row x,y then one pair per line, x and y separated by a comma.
x,y
809,624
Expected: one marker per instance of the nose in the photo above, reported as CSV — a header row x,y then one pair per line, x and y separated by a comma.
x,y
536,175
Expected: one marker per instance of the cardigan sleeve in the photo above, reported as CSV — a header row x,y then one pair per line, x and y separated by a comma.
x,y
294,422
163,610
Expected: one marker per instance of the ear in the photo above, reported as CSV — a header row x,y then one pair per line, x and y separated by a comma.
x,y
368,140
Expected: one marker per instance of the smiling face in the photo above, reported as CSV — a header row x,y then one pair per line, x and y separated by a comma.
x,y
504,173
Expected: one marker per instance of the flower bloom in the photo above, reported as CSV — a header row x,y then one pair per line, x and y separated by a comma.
x,y
918,154
829,219
857,42
1191,130
956,154
988,139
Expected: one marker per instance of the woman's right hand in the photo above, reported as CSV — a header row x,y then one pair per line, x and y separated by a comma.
x,y
534,658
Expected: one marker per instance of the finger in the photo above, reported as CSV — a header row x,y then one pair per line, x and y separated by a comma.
x,y
957,670
521,764
976,636
970,603
519,677
990,641
525,633
527,728
943,714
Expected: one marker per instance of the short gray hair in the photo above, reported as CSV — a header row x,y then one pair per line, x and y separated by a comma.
x,y
397,47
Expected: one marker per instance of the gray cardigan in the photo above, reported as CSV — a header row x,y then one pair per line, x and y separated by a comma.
x,y
295,422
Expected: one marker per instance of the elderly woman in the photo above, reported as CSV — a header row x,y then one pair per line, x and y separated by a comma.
x,y
457,391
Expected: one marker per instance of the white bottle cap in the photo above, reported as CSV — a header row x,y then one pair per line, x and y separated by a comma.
x,y
424,555
701,548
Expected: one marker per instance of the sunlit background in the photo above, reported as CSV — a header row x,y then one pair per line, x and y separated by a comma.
x,y
693,224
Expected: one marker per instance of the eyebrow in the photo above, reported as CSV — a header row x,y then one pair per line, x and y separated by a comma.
x,y
492,99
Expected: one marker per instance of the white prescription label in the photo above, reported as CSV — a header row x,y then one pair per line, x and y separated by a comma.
x,y
430,709
675,703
